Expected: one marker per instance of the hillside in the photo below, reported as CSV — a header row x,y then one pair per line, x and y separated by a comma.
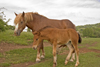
x,y
97,25
89,30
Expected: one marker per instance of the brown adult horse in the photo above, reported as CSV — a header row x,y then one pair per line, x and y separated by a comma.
x,y
35,22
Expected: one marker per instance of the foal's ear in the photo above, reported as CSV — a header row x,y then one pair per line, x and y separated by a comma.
x,y
36,33
23,14
15,13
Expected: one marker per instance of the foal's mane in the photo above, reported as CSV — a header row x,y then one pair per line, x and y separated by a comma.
x,y
44,28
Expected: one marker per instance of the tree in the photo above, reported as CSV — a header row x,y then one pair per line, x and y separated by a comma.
x,y
3,25
88,32
28,30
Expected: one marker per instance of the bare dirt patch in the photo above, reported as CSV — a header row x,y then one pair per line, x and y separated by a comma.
x,y
6,47
23,64
85,50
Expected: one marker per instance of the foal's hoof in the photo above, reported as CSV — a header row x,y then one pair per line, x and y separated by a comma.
x,y
38,60
54,65
76,64
71,60
66,62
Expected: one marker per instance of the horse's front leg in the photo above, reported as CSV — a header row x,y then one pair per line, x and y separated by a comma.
x,y
38,59
42,47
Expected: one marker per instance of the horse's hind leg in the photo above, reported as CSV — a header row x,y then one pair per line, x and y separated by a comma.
x,y
70,53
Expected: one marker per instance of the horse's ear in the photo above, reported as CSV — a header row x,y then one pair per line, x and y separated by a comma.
x,y
23,14
36,33
15,13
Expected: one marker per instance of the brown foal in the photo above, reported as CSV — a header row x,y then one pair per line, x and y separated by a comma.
x,y
59,37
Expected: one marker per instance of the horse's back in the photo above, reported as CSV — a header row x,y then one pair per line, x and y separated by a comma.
x,y
68,24
61,24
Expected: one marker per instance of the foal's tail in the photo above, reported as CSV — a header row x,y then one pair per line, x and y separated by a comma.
x,y
80,39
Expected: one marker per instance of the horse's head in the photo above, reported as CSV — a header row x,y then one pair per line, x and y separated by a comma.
x,y
37,39
20,23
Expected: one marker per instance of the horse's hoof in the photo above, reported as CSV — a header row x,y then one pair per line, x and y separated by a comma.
x,y
55,64
42,57
37,61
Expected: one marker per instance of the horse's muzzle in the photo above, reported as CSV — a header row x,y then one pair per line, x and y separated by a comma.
x,y
34,48
17,33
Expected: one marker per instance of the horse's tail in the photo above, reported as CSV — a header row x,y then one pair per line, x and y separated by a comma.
x,y
80,39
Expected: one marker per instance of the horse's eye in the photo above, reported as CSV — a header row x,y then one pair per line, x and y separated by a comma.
x,y
36,39
21,22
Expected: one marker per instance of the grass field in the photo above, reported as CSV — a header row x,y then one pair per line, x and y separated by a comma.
x,y
22,55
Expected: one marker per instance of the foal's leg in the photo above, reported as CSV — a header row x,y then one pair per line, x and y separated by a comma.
x,y
77,54
38,54
73,55
38,59
70,53
54,54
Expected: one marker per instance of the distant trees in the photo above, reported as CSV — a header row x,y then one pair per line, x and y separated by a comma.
x,y
92,30
88,32
3,25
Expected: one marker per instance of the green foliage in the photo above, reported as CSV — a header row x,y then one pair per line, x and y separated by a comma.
x,y
2,25
91,30
88,32
28,30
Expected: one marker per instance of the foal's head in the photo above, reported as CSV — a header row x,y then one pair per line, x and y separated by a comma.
x,y
37,39
21,21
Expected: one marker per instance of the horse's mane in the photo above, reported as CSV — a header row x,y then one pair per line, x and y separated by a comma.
x,y
28,17
36,13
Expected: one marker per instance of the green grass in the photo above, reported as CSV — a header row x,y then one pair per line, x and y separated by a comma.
x,y
86,60
19,56
4,65
22,55
1,55
94,43
24,39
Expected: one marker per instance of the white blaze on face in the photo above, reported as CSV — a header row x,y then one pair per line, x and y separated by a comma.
x,y
16,27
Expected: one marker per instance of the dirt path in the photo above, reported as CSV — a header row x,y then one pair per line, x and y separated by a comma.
x,y
6,46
